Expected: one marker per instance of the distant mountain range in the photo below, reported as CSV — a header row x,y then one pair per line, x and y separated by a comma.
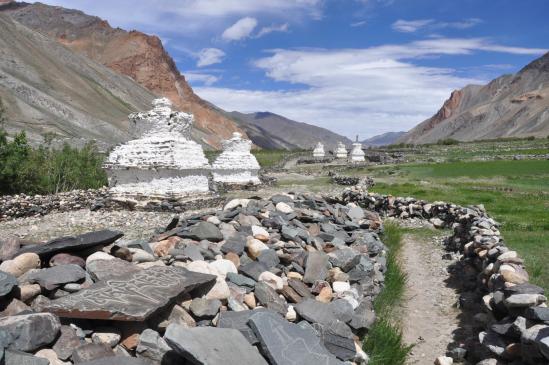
x,y
509,106
383,139
272,131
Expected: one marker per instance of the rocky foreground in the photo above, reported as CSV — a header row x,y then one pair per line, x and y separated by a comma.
x,y
288,280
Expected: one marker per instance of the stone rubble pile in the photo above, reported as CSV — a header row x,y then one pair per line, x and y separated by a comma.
x,y
513,316
285,280
363,181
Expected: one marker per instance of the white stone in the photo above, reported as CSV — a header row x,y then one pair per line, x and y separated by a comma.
x,y
214,220
236,165
341,286
318,152
255,247
341,151
291,314
223,267
99,255
272,280
260,233
284,208
357,154
163,161
220,290
108,338
236,203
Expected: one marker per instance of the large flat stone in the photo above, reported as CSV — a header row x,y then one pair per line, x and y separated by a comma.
x,y
7,282
133,297
212,346
53,277
29,332
285,343
203,231
239,321
101,270
73,243
117,360
22,358
316,267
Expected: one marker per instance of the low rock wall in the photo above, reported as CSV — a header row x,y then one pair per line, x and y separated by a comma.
x,y
512,313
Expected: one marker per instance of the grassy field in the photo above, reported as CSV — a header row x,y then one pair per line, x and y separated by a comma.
x,y
515,193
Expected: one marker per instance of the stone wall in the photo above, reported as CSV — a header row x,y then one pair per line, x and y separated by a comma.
x,y
511,312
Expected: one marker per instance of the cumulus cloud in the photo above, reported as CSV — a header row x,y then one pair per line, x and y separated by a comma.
x,y
243,28
359,91
200,78
273,28
410,26
209,56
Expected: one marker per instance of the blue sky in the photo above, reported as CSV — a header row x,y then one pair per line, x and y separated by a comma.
x,y
354,66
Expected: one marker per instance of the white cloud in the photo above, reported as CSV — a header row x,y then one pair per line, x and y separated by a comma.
x,y
358,24
205,79
209,56
186,17
358,91
273,28
410,26
243,28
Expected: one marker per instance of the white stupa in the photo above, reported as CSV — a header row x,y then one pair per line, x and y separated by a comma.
x,y
318,152
357,154
163,161
341,151
236,165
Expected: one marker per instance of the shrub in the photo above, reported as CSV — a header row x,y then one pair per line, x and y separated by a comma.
x,y
447,142
46,170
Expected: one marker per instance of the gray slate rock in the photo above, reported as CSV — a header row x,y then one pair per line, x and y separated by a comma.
x,y
268,297
12,357
66,343
285,343
152,346
7,282
235,244
212,346
324,313
537,313
239,321
269,258
205,308
73,243
203,231
118,360
253,269
101,270
28,332
241,280
316,267
338,339
90,352
54,277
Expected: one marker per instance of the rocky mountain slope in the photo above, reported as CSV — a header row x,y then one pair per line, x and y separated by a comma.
x,y
383,139
509,106
272,131
47,89
137,55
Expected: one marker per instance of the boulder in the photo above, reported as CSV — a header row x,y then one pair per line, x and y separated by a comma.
x,y
29,332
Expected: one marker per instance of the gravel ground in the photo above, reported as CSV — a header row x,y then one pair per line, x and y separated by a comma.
x,y
134,224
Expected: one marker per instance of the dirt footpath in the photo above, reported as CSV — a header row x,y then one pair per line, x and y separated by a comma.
x,y
429,315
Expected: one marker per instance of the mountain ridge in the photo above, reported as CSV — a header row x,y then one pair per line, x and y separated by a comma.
x,y
514,105
132,53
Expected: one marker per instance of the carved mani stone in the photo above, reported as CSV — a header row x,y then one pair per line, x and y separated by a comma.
x,y
132,297
236,165
163,162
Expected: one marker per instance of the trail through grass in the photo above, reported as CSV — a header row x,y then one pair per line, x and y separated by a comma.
x,y
384,342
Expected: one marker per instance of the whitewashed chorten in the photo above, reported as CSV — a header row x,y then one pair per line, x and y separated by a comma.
x,y
236,165
341,151
318,152
162,161
357,154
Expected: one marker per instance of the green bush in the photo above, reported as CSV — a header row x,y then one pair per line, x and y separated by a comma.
x,y
46,170
447,142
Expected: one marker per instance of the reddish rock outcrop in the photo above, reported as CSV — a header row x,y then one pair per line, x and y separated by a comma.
x,y
135,54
